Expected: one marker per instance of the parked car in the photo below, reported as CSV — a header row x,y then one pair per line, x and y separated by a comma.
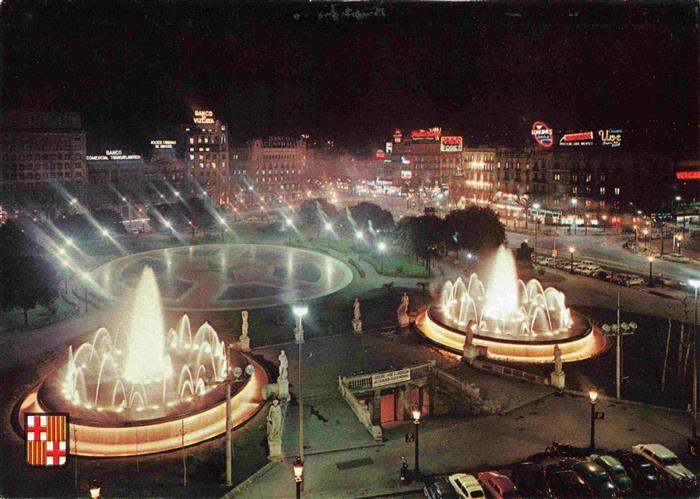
x,y
667,462
634,281
676,257
497,485
466,486
530,480
567,484
605,275
568,463
615,471
439,488
646,480
590,270
596,478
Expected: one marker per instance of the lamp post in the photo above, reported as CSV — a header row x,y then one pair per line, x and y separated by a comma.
x,y
651,262
382,249
585,224
289,223
593,396
85,276
168,226
536,206
695,283
574,203
298,468
618,330
646,238
416,423
572,249
678,237
300,310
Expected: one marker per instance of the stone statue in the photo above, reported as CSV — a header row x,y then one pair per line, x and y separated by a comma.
x,y
244,326
283,366
402,311
557,359
557,377
469,350
274,421
357,321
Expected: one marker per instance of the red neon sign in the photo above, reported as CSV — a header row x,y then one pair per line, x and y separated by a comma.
x,y
692,175
569,137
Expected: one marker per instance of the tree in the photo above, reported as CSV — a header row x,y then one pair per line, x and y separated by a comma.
x,y
27,277
315,212
424,236
474,228
369,214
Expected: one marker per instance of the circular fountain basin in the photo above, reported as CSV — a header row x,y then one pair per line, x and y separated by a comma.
x,y
221,277
129,433
585,341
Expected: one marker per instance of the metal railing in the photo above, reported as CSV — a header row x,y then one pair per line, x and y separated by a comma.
x,y
363,382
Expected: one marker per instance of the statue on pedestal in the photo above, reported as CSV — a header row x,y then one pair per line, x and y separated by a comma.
x,y
557,377
402,311
274,420
244,340
283,366
356,321
469,350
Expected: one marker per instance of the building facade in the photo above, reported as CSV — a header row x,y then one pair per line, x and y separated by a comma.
x,y
115,167
277,169
38,148
164,163
207,155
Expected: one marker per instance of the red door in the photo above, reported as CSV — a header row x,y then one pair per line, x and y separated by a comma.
x,y
388,408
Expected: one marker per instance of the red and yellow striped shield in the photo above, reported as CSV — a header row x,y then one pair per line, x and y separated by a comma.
x,y
47,440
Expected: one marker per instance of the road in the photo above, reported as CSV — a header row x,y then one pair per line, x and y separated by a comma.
x,y
608,251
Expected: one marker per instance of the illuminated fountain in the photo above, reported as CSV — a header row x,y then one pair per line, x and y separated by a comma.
x,y
137,391
514,320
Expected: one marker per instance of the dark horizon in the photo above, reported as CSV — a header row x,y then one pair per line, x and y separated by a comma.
x,y
136,71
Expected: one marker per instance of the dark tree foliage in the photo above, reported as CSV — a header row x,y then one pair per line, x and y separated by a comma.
x,y
27,276
315,212
364,212
474,228
524,253
423,236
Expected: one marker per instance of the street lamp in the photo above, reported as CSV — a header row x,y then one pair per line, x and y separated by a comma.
x,y
651,261
572,249
574,203
416,423
646,238
618,330
537,207
298,468
85,277
593,396
328,227
300,310
695,283
94,490
678,237
382,249
289,223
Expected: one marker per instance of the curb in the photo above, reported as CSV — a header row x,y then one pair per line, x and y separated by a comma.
x,y
626,401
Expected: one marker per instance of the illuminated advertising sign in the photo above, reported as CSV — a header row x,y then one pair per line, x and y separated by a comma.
x,y
450,144
203,116
612,138
691,175
406,174
577,139
163,144
389,147
112,154
278,142
380,153
431,134
405,161
397,136
542,134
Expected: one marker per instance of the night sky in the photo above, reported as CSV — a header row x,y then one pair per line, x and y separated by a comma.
x,y
135,70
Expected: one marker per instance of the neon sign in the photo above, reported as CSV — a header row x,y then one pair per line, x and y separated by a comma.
x,y
405,161
406,174
380,153
389,147
429,134
612,138
113,154
163,144
577,139
450,144
397,136
691,175
203,116
542,134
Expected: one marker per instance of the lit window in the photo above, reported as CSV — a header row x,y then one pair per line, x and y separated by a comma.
x,y
191,140
192,156
617,191
602,191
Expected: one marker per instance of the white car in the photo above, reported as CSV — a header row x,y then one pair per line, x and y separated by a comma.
x,y
634,281
667,462
466,486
